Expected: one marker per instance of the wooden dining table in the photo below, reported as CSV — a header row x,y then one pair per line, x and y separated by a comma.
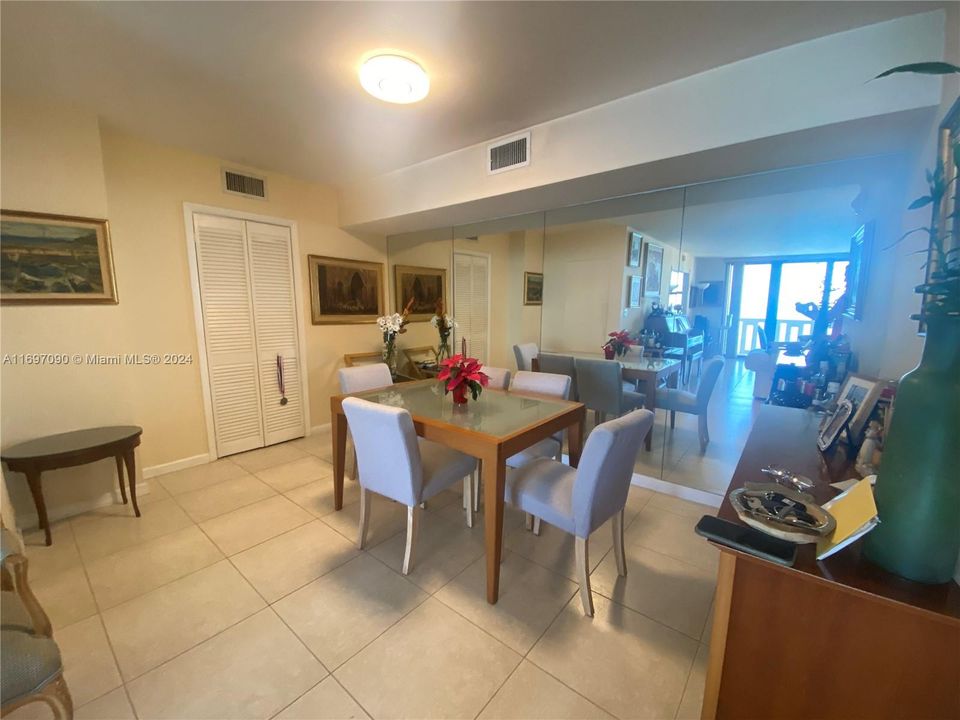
x,y
492,428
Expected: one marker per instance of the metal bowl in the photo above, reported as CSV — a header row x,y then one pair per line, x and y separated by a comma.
x,y
782,512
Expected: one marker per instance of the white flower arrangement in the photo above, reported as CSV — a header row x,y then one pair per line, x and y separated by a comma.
x,y
390,323
447,320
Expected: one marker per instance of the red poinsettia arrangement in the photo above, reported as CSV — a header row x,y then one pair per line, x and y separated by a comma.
x,y
618,344
459,374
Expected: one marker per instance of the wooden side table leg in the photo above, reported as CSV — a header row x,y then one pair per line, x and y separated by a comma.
x,y
123,490
130,460
33,480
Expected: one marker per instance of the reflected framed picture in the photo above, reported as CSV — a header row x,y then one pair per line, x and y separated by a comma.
x,y
423,285
634,291
834,424
634,245
862,392
55,259
652,270
532,288
858,268
344,292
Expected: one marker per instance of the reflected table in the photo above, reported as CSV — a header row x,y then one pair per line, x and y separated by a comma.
x,y
498,425
69,449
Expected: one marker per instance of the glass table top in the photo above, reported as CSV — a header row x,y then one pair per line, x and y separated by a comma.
x,y
630,361
497,413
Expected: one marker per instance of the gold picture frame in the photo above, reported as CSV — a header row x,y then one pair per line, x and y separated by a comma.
x,y
344,291
532,288
634,248
425,285
55,259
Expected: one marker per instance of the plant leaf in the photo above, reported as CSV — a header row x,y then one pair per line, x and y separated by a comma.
x,y
923,68
920,202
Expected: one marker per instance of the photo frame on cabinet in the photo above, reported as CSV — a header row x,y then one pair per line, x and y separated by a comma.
x,y
863,393
345,292
424,285
634,247
55,259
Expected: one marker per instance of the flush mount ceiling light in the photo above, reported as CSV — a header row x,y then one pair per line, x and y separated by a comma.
x,y
394,78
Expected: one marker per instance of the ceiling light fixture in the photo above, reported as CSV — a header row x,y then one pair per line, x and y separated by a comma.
x,y
394,78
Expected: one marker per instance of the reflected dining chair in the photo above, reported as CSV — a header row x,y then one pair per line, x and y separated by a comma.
x,y
578,501
694,403
499,377
560,365
359,378
601,387
525,354
397,464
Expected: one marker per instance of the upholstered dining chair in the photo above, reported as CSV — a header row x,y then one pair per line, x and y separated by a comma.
x,y
359,378
579,501
601,387
397,464
525,354
560,365
30,666
676,400
499,377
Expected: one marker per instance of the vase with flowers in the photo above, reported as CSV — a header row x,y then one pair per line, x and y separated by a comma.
x,y
618,344
391,326
461,374
444,325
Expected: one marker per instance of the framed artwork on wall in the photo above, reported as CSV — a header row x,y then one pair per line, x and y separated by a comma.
x,y
634,291
652,270
424,285
532,288
55,259
861,245
634,244
344,292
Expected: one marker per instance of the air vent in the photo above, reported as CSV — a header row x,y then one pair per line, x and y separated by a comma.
x,y
509,154
246,185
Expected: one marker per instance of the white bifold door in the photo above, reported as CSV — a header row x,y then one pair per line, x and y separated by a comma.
x,y
245,272
471,303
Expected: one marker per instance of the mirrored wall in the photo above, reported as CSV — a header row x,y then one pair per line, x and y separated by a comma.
x,y
711,290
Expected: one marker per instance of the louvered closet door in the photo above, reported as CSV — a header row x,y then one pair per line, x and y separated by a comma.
x,y
275,320
471,303
225,298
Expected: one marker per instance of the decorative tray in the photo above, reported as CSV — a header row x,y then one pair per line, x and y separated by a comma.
x,y
782,512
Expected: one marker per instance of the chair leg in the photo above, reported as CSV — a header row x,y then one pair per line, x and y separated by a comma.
x,y
583,575
364,517
536,526
413,525
618,544
57,695
673,419
477,495
704,432
468,498
355,471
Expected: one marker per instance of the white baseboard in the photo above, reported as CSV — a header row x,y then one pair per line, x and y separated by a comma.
x,y
181,464
676,490
29,519
320,428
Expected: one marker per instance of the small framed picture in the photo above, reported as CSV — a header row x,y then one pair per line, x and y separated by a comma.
x,y
652,269
634,245
863,393
634,291
532,288
831,430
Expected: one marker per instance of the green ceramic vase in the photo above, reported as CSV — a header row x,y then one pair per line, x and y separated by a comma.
x,y
918,486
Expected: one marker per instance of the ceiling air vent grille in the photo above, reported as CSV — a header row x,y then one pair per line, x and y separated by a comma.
x,y
246,185
509,154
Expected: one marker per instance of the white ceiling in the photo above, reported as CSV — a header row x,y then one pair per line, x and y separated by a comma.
x,y
273,84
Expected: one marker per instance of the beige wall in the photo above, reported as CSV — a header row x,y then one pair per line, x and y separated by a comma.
x,y
59,160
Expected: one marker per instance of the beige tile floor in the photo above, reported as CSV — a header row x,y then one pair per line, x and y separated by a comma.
x,y
240,594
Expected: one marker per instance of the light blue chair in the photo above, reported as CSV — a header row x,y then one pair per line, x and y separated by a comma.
x,y
358,379
395,463
499,377
525,354
579,501
601,387
561,365
676,400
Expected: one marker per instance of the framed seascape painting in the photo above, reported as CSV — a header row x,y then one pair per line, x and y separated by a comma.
x,y
422,284
343,292
634,244
532,288
634,287
652,270
55,259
